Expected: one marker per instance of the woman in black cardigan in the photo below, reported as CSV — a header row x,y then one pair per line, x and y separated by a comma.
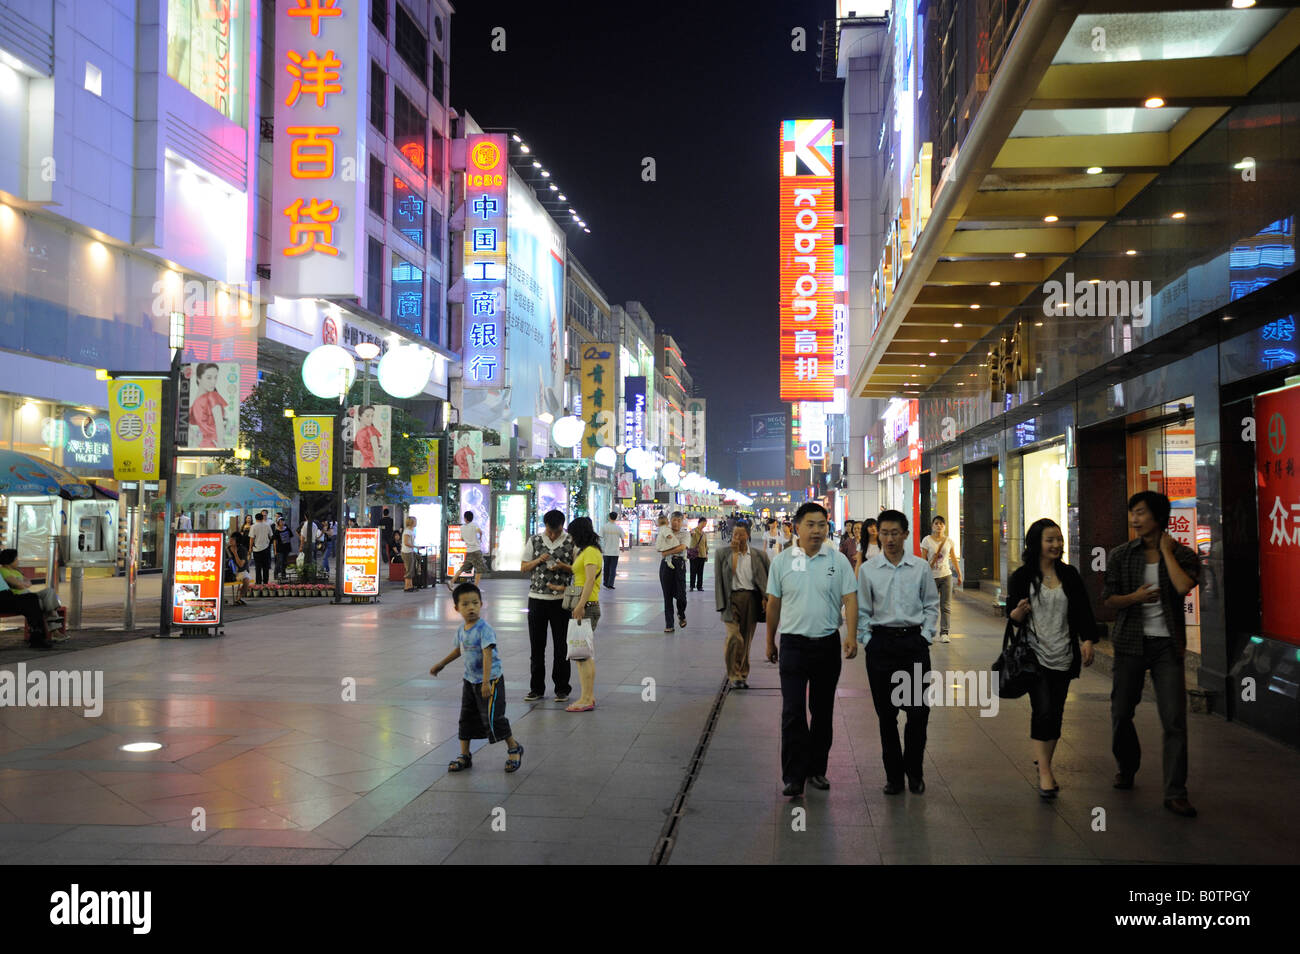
x,y
1048,596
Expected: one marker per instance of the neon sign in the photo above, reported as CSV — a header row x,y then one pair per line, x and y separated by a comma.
x,y
485,259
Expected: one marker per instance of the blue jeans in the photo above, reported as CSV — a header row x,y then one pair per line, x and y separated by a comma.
x,y
329,552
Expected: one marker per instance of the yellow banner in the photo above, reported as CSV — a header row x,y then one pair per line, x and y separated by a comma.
x,y
313,451
425,484
135,414
599,396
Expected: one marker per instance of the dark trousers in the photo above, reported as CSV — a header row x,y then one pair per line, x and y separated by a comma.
x,y
1047,701
27,605
484,718
886,655
810,671
611,567
281,559
697,572
1161,657
672,580
544,614
262,565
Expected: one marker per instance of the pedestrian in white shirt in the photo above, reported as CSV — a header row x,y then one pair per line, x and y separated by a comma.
x,y
942,556
671,543
472,534
611,541
259,538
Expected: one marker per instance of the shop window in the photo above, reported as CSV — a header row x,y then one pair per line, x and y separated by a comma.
x,y
407,296
378,98
206,53
412,46
409,125
408,212
376,186
375,275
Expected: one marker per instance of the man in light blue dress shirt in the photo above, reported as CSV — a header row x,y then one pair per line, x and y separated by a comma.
x,y
898,610
806,585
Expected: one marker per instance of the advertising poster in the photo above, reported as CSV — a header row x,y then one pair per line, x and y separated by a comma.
x,y
368,436
634,403
645,532
425,483
474,497
534,306
628,537
313,448
361,562
134,409
553,495
208,405
767,426
510,531
1180,464
455,551
599,397
467,456
626,486
199,574
1277,420
1182,527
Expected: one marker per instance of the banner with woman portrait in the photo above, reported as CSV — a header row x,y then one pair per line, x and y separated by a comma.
x,y
368,436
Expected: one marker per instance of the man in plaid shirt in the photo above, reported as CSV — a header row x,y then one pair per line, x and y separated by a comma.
x,y
550,560
1146,580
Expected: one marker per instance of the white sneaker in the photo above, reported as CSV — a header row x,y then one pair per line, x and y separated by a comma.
x,y
943,638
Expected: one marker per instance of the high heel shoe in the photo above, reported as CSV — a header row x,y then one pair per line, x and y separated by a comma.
x,y
1056,788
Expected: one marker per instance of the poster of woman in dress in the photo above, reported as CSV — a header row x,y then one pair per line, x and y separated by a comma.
x,y
210,397
467,456
369,431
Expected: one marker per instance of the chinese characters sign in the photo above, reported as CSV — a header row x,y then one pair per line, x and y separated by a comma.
x,y
634,413
425,483
599,404
135,409
361,562
313,448
486,181
199,562
318,203
807,261
1277,422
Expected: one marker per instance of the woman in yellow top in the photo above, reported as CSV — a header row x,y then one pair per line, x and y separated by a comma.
x,y
587,568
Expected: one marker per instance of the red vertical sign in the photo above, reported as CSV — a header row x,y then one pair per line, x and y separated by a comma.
x,y
1277,438
199,565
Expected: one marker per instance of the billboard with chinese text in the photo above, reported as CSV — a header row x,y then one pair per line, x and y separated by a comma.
x,y
199,572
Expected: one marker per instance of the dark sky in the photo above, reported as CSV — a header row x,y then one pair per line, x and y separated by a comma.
x,y
594,86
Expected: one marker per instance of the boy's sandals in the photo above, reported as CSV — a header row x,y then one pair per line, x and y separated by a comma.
x,y
461,763
512,765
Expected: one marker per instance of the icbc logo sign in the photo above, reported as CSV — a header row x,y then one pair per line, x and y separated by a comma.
x,y
487,156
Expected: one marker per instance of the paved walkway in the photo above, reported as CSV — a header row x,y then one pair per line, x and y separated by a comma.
x,y
257,735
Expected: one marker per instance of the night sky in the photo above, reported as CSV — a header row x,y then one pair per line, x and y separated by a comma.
x,y
593,87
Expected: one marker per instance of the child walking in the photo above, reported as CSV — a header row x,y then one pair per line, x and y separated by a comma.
x,y
482,701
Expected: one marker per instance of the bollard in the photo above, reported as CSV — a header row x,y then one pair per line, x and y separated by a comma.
x,y
75,578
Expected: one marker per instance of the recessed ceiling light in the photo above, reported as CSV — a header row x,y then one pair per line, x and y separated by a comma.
x,y
1227,317
943,341
554,187
1131,251
975,307
1020,255
563,198
1093,170
973,373
934,354
523,148
545,174
1179,215
1094,281
1154,102
536,164
994,284
587,230
516,138
956,324
1247,163
1038,324
1050,218
1242,4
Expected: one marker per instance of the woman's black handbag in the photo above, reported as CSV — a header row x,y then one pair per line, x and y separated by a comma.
x,y
1017,667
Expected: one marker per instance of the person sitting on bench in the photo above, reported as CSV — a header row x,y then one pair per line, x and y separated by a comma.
x,y
48,598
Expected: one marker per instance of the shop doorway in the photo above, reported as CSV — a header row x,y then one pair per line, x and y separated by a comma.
x,y
978,543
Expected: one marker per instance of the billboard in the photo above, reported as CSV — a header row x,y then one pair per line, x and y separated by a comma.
x,y
368,436
767,427
361,561
634,415
319,159
534,307
313,446
807,259
599,398
467,455
199,567
134,409
1278,481
487,170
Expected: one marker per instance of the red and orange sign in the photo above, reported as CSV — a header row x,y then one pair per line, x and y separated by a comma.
x,y
807,262
455,551
361,562
198,561
1277,482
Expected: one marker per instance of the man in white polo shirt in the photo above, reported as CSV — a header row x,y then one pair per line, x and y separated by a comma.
x,y
472,534
671,544
806,587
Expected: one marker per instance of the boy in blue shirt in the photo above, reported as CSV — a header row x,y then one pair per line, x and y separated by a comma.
x,y
482,701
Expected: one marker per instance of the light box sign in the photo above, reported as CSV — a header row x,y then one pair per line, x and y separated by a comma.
x,y
313,447
634,397
599,407
425,483
486,185
1277,416
807,259
199,568
135,409
319,156
361,562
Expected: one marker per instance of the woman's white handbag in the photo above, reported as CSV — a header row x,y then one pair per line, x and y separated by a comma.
x,y
581,640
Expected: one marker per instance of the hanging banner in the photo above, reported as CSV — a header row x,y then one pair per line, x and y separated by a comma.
x,y
599,396
361,562
313,450
368,436
467,456
199,574
134,408
425,483
208,405
634,398
1277,417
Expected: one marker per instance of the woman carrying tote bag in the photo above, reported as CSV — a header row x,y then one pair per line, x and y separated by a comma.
x,y
1047,599
587,568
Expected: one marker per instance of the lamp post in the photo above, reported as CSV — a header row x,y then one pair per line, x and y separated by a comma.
x,y
367,351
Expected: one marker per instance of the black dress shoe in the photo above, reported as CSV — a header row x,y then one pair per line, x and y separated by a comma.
x,y
916,786
1180,806
893,788
793,790
819,782
1123,781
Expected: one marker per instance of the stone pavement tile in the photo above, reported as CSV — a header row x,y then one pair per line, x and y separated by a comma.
x,y
629,809
131,835
711,843
315,811
1056,841
163,852
215,802
489,851
324,758
269,838
86,806
21,783
284,856
826,844
245,818
163,785
382,850
362,782
216,756
52,852
574,804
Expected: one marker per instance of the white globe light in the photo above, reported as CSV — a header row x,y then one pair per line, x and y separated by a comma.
x,y
606,457
405,370
635,459
567,431
646,470
672,472
328,371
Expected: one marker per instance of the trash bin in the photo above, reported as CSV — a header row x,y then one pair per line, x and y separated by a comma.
x,y
421,571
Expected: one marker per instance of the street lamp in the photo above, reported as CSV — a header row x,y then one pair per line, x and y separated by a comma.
x,y
367,351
